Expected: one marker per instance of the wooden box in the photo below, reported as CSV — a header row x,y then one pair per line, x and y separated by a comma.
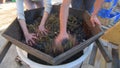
x,y
14,35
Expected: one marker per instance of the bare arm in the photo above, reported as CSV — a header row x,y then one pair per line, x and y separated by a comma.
x,y
64,11
97,7
44,18
21,18
47,9
23,26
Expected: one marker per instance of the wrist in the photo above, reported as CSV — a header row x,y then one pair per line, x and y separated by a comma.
x,y
26,33
63,32
94,14
41,24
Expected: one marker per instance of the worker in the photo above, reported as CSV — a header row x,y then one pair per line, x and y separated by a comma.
x,y
32,4
64,11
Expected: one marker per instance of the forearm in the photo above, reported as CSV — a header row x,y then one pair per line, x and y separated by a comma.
x,y
64,11
20,15
44,18
23,26
97,6
48,7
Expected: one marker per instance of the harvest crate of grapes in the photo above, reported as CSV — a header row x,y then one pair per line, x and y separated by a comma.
x,y
79,28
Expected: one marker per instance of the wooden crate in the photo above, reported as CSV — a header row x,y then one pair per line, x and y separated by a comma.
x,y
14,34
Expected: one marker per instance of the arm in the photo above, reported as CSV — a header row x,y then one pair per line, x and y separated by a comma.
x,y
97,7
64,11
21,19
48,7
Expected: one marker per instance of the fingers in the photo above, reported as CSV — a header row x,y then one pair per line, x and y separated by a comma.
x,y
93,23
34,36
41,32
44,32
31,42
27,41
98,22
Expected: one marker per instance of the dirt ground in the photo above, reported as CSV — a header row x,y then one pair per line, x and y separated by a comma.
x,y
7,15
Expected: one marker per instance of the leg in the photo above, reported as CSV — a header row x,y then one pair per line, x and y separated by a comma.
x,y
89,5
78,4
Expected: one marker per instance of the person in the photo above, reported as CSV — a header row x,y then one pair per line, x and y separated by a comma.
x,y
64,16
32,4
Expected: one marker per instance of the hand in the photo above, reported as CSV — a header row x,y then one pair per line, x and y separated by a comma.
x,y
58,42
94,20
61,37
30,38
42,30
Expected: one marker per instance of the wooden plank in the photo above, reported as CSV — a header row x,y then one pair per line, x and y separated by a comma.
x,y
106,43
5,50
14,30
119,51
115,62
95,30
109,65
9,59
3,43
76,49
103,63
113,34
93,55
109,49
104,52
30,50
98,59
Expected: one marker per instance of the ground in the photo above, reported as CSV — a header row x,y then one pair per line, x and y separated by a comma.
x,y
7,16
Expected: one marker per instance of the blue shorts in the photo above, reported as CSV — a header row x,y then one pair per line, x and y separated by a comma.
x,y
83,4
